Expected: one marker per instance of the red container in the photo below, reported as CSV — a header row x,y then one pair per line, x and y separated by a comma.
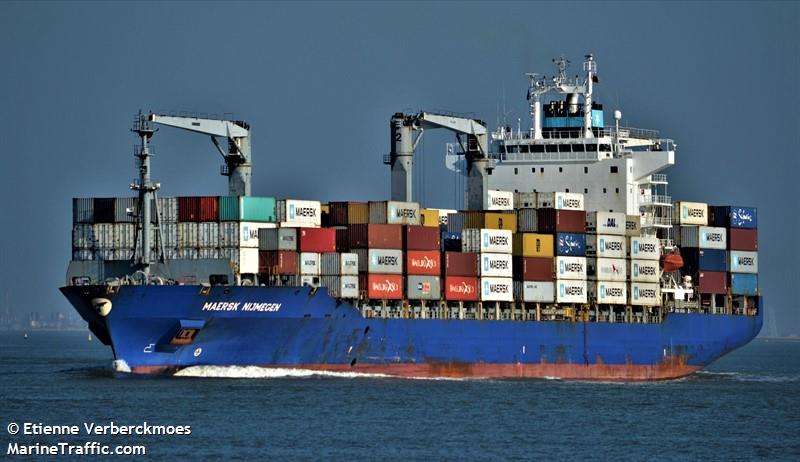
x,y
189,209
459,288
208,208
743,239
551,221
317,240
712,282
385,286
533,268
460,264
422,238
376,236
423,262
277,262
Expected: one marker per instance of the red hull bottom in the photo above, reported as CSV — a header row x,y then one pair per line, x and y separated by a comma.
x,y
667,370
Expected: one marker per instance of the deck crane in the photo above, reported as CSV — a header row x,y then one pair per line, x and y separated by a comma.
x,y
237,167
404,143
238,164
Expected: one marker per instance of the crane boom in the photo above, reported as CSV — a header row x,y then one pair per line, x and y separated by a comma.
x,y
238,164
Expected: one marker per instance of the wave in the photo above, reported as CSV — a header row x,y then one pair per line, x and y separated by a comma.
x,y
745,377
256,372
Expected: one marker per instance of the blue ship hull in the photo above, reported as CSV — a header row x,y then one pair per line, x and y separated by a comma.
x,y
157,329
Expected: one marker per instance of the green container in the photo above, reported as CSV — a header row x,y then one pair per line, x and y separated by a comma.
x,y
235,208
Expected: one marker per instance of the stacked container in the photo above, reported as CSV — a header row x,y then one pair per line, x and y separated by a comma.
x,y
702,247
644,271
741,226
494,250
607,267
422,262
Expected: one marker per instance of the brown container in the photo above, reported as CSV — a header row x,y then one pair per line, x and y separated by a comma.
x,y
533,268
348,213
208,208
277,262
712,282
743,239
188,209
421,238
342,239
375,236
553,221
460,264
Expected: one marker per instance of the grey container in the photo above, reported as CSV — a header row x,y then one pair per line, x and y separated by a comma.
x,y
456,222
423,288
83,210
168,208
527,220
82,254
341,286
121,207
208,235
82,236
335,263
277,239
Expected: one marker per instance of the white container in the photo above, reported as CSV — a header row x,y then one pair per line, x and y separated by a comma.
x,y
208,252
82,254
168,210
605,246
187,235
486,240
104,254
527,220
187,253
82,237
534,291
690,213
243,260
560,200
570,267
499,200
309,263
394,212
742,262
124,236
127,254
341,286
496,265
277,239
607,292
644,248
103,235
385,261
644,294
703,237
613,223
208,234
169,234
497,289
645,271
570,291
294,213
607,269
525,200
633,225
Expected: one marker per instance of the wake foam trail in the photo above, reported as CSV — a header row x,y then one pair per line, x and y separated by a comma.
x,y
743,377
256,372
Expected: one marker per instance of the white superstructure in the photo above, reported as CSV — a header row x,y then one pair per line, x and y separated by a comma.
x,y
567,148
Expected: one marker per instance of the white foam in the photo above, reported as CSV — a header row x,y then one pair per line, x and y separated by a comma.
x,y
257,372
119,365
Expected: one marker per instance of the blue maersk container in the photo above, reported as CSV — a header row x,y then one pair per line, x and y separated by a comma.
x,y
570,245
743,284
730,216
696,260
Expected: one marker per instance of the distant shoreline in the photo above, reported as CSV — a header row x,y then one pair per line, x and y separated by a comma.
x,y
789,338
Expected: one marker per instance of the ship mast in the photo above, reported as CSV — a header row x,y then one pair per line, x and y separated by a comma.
x,y
143,127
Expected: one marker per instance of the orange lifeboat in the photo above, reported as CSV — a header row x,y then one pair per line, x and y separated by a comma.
x,y
672,261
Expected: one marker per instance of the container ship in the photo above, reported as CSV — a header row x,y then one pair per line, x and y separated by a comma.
x,y
569,259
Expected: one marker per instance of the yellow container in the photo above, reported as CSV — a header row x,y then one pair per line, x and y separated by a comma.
x,y
533,245
357,213
429,217
325,208
497,220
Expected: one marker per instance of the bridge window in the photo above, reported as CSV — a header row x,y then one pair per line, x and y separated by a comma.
x,y
566,190
586,190
560,170
614,169
585,169
515,170
604,190
617,190
533,169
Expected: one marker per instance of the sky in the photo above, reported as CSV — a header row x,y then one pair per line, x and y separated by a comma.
x,y
318,82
